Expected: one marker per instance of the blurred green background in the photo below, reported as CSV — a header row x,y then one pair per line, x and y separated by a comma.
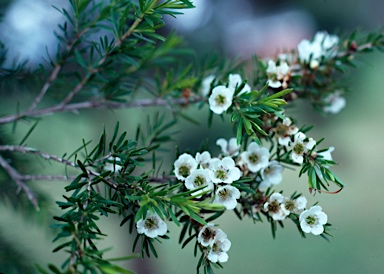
x,y
356,133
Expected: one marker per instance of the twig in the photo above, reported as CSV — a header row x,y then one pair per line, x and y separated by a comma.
x,y
16,177
101,105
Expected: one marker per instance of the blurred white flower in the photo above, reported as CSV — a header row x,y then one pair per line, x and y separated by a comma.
x,y
271,175
152,226
199,178
323,45
309,51
299,147
284,130
234,81
228,148
334,103
275,208
220,99
312,220
224,171
219,248
255,157
184,166
278,75
206,85
227,196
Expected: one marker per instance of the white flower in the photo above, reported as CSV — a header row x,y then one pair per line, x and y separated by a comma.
x,y
299,147
220,99
323,45
255,157
228,148
275,208
284,130
334,103
312,220
226,196
325,155
203,159
219,248
295,206
276,74
152,226
309,51
224,171
328,43
111,164
271,175
206,85
184,166
207,234
235,81
199,178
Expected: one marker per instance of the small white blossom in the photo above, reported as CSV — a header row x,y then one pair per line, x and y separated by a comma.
x,y
184,166
206,85
235,81
199,178
299,147
275,208
295,206
328,43
224,171
227,196
219,248
228,148
334,103
271,175
207,234
284,130
255,157
278,75
203,159
309,51
312,220
323,45
152,226
220,99
325,155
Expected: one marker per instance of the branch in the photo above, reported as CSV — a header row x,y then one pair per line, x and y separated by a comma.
x,y
100,105
17,178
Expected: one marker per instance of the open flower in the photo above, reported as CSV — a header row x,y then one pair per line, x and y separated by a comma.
x,y
220,99
152,226
255,157
235,81
228,148
284,130
227,196
184,166
299,147
224,171
278,76
295,206
206,85
219,248
275,208
312,220
199,178
271,175
207,234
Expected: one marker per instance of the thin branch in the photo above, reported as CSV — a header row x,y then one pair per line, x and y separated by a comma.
x,y
101,105
16,177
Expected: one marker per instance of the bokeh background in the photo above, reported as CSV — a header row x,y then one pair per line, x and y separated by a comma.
x,y
236,29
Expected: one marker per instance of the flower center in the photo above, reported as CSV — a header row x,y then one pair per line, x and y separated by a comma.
x,y
221,174
208,234
184,170
220,100
281,130
290,205
151,223
311,220
273,206
253,158
199,180
298,149
224,194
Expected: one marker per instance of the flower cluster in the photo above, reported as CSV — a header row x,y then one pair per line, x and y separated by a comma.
x,y
279,207
221,97
216,243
